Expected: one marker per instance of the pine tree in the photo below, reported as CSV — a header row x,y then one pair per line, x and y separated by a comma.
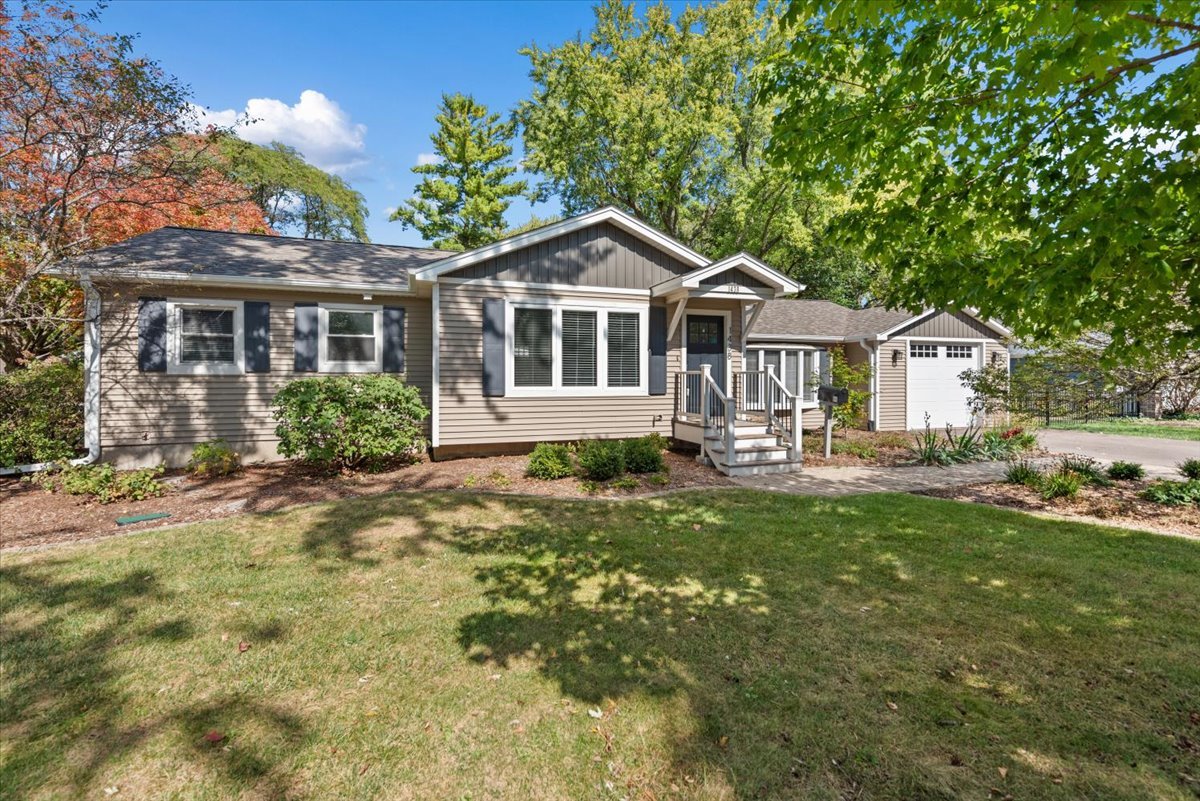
x,y
461,200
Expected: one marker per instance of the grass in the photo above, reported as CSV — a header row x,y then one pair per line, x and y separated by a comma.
x,y
724,645
1136,427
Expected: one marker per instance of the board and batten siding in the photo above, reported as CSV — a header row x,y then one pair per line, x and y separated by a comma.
x,y
467,419
600,255
947,325
156,418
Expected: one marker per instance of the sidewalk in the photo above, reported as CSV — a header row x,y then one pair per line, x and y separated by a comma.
x,y
859,480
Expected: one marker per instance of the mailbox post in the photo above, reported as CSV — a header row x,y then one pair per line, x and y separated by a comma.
x,y
829,397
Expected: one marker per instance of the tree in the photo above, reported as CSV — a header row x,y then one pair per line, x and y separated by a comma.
x,y
90,152
1038,163
461,200
656,115
296,196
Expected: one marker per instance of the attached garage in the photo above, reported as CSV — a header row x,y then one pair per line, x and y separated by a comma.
x,y
916,358
934,387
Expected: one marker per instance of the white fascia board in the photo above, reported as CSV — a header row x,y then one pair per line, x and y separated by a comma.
x,y
203,279
625,222
794,338
740,261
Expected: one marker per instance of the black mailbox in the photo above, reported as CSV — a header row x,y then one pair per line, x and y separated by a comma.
x,y
835,396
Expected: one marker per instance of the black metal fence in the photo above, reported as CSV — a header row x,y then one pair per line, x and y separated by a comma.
x,y
1075,402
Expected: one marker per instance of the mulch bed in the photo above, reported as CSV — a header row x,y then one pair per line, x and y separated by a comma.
x,y
887,452
1117,505
31,516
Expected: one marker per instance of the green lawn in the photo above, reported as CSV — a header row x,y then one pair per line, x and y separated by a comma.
x,y
1135,427
727,645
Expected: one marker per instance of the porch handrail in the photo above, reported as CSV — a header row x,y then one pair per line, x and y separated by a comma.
x,y
718,413
793,432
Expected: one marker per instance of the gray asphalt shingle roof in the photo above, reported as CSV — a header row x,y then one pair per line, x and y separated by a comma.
x,y
824,318
196,251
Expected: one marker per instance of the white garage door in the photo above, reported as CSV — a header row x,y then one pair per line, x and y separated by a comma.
x,y
933,384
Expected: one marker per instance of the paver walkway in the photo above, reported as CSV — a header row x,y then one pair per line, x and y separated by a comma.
x,y
859,480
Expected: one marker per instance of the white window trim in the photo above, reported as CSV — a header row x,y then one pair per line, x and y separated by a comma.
x,y
556,389
781,374
324,365
174,329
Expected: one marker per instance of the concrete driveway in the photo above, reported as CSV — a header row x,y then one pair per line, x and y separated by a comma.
x,y
1159,456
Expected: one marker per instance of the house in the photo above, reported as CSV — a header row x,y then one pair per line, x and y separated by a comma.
x,y
916,359
595,326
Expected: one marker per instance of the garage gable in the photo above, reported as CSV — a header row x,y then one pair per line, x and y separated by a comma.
x,y
947,325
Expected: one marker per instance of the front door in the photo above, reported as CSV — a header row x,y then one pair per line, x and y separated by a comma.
x,y
706,344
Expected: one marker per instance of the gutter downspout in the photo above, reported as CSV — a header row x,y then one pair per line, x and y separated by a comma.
x,y
91,385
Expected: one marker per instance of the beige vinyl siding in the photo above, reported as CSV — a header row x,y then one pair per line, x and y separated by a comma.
x,y
148,418
893,386
999,352
467,418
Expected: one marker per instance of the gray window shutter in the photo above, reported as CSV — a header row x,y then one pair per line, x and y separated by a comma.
x,y
257,318
305,345
493,347
658,350
393,339
152,335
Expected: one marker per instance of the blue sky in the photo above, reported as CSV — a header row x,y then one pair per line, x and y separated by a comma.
x,y
379,68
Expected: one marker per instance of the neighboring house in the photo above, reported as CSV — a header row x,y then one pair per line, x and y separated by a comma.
x,y
595,326
915,358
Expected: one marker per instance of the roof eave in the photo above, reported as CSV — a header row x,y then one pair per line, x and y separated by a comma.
x,y
255,282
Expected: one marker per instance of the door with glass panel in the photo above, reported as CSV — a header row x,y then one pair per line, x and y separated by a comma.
x,y
705,343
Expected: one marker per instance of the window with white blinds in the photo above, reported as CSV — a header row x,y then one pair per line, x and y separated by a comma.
x,y
533,347
578,348
205,337
623,350
575,348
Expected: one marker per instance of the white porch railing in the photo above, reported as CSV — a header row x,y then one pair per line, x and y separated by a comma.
x,y
783,414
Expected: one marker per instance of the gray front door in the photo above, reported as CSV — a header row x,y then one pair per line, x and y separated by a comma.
x,y
706,344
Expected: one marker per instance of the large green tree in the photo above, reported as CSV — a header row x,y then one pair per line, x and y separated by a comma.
x,y
1035,160
655,113
461,199
296,196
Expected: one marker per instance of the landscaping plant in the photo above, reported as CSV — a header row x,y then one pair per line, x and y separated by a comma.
x,y
41,414
104,483
854,447
1061,484
214,458
1085,467
1173,493
963,446
644,454
1024,473
549,461
1190,469
349,422
1126,471
601,459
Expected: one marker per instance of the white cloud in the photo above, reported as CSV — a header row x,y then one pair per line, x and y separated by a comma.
x,y
425,159
314,125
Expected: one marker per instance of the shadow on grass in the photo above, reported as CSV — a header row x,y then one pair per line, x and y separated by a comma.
x,y
63,686
821,648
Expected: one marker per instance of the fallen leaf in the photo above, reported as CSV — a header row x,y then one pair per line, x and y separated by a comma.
x,y
595,713
224,638
112,790
363,769
723,742
214,736
1003,772
695,526
892,706
243,647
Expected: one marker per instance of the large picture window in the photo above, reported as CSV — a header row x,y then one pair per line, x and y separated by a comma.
x,y
351,339
205,337
575,349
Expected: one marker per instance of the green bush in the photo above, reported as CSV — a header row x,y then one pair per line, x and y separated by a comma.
x,y
602,459
41,414
104,483
1085,467
549,461
214,458
360,421
1174,493
644,454
1190,469
1024,473
1126,471
1061,484
854,447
